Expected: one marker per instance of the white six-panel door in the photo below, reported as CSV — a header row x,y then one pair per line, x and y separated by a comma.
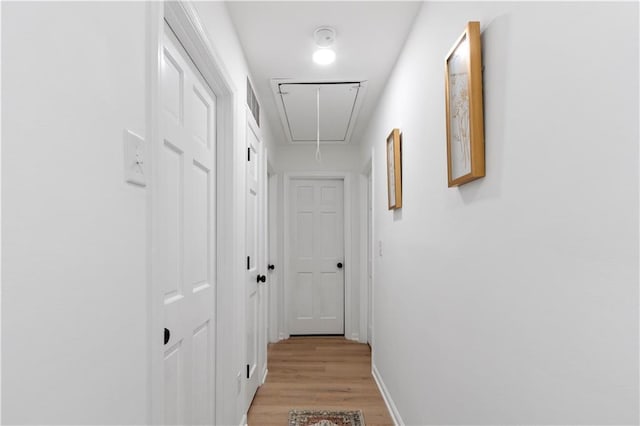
x,y
316,280
255,235
186,193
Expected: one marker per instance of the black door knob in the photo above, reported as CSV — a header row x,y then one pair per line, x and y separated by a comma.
x,y
271,267
167,335
261,278
339,265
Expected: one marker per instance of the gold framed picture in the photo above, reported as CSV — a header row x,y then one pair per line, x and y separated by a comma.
x,y
465,119
394,169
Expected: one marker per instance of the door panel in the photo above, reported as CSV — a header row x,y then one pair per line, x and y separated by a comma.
x,y
201,374
328,292
316,246
199,266
171,213
304,230
173,404
186,243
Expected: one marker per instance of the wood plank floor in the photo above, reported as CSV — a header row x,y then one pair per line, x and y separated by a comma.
x,y
318,373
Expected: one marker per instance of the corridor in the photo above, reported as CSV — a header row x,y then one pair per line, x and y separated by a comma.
x,y
450,186
318,373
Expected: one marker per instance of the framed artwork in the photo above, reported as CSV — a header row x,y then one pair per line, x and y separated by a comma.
x,y
465,120
394,169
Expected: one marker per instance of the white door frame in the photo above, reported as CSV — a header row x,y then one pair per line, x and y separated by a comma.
x,y
184,21
364,249
261,258
346,178
273,277
371,247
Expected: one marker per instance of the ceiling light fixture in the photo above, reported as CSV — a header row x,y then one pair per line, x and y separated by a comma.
x,y
324,38
324,56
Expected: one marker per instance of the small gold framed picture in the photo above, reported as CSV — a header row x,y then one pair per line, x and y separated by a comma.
x,y
394,169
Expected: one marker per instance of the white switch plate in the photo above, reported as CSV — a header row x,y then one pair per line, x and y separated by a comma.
x,y
134,166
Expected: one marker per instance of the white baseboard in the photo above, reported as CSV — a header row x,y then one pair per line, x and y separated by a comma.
x,y
264,376
395,415
355,336
243,422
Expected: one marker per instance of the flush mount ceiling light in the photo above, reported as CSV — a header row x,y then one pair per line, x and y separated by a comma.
x,y
324,56
324,38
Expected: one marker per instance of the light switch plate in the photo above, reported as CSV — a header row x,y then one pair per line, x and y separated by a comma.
x,y
134,167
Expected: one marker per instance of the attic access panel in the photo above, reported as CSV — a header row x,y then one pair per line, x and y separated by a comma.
x,y
339,107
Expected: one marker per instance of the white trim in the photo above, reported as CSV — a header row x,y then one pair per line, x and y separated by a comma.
x,y
368,251
243,421
184,21
391,406
346,178
264,376
348,260
274,276
373,249
251,122
154,26
364,276
371,287
0,227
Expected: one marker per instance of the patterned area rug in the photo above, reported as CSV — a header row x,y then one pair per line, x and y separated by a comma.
x,y
325,418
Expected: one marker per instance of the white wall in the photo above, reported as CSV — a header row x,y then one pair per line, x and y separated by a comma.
x,y
334,158
74,234
302,158
74,324
230,403
514,299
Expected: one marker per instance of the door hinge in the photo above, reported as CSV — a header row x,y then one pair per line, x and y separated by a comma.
x,y
248,370
248,262
249,154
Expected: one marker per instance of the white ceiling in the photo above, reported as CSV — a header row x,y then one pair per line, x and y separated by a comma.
x,y
277,38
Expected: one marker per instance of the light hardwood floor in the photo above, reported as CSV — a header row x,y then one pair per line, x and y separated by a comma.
x,y
318,373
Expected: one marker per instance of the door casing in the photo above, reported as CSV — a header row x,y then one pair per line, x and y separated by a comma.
x,y
367,254
260,263
185,23
275,331
346,177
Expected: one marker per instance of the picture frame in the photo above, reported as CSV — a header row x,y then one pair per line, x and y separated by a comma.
x,y
464,108
394,169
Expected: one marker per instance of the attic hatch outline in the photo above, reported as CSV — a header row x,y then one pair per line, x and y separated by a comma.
x,y
353,117
346,132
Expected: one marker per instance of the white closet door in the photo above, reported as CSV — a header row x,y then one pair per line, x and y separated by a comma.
x,y
256,267
186,193
316,276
